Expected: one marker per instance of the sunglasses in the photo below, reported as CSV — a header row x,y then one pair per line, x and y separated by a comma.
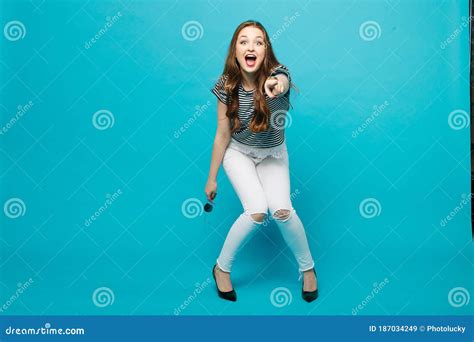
x,y
209,205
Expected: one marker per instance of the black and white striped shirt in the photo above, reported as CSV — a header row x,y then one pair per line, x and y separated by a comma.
x,y
278,106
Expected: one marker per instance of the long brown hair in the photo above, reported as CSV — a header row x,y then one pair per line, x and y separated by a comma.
x,y
260,120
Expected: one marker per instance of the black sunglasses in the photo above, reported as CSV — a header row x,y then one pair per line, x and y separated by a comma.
x,y
209,205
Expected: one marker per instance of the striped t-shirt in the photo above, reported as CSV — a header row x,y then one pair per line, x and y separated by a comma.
x,y
278,106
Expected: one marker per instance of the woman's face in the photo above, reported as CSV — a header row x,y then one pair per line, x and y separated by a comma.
x,y
250,49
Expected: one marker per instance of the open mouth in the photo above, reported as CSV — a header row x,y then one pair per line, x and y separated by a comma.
x,y
250,60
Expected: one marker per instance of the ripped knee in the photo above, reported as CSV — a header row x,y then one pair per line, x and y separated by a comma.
x,y
258,217
282,214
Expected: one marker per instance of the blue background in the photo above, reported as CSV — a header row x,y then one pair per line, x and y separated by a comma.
x,y
151,253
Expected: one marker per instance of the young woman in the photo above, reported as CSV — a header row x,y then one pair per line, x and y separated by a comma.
x,y
253,98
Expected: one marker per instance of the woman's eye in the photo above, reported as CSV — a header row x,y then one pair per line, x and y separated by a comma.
x,y
243,42
260,43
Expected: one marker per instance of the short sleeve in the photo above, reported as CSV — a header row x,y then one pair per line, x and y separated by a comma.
x,y
281,69
219,90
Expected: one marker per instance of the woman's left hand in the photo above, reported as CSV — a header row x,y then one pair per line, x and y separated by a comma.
x,y
274,87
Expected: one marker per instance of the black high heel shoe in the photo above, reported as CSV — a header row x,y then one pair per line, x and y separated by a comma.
x,y
228,295
309,296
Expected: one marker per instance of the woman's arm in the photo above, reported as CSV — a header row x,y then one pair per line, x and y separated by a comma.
x,y
221,141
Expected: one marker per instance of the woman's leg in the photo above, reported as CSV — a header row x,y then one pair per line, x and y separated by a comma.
x,y
243,176
275,179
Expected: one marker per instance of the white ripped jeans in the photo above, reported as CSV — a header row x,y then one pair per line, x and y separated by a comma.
x,y
262,184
